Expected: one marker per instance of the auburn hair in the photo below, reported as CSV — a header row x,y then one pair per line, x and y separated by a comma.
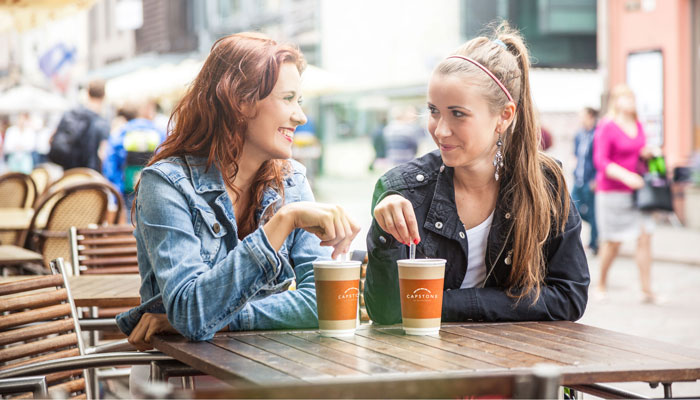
x,y
533,183
209,121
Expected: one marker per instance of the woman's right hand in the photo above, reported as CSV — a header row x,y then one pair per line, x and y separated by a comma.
x,y
149,325
330,223
395,216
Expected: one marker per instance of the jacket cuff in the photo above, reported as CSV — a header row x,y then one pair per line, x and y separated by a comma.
x,y
460,305
263,254
387,194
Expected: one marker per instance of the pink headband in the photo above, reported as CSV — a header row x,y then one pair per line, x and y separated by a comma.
x,y
498,82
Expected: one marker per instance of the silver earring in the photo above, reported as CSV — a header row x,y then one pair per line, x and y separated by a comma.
x,y
498,159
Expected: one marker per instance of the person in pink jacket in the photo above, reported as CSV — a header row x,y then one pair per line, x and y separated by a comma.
x,y
618,146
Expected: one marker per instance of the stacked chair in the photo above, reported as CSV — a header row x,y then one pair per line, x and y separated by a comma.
x,y
17,190
42,350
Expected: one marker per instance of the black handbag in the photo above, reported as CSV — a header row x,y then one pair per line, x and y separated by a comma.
x,y
655,195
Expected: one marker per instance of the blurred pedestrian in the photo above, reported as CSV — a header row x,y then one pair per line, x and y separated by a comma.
x,y
402,134
4,124
129,151
618,146
81,133
546,139
20,145
378,143
487,201
583,193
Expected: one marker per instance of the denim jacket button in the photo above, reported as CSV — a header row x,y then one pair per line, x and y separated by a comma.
x,y
216,227
438,225
382,239
420,178
507,215
461,235
442,168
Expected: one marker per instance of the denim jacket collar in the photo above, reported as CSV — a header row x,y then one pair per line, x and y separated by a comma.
x,y
211,180
203,179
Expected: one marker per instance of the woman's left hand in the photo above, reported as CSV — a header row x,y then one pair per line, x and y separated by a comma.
x,y
149,325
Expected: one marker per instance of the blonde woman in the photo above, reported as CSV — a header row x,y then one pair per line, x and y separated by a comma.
x,y
618,146
487,201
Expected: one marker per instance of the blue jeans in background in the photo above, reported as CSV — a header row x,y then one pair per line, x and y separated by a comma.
x,y
584,199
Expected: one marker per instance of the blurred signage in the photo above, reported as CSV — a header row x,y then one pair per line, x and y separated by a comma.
x,y
128,14
645,76
56,58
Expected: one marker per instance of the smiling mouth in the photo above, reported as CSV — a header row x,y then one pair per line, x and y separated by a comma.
x,y
287,133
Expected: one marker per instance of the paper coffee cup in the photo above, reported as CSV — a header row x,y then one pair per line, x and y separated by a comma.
x,y
420,284
337,296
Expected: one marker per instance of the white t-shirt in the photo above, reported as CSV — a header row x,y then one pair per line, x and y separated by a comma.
x,y
477,238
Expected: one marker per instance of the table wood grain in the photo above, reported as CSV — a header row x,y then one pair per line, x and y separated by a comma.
x,y
100,290
583,354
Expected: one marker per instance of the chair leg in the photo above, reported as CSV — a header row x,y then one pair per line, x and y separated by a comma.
x,y
37,384
93,339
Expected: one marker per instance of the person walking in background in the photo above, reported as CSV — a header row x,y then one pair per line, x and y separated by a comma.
x,y
402,134
378,143
584,175
20,145
129,151
618,145
82,133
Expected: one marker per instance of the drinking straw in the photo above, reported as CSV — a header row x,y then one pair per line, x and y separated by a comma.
x,y
412,251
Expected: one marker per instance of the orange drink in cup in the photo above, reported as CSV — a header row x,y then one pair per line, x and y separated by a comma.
x,y
420,284
337,296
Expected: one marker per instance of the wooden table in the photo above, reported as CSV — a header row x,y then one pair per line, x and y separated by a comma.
x,y
100,290
106,290
12,255
584,355
15,219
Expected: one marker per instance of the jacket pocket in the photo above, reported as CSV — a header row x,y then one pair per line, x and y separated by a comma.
x,y
210,231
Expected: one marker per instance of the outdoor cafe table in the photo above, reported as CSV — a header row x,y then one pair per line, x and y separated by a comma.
x,y
585,355
11,255
15,219
100,290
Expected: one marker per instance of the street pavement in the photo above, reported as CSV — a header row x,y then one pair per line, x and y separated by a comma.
x,y
675,272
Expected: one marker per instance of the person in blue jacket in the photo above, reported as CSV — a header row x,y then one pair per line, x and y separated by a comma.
x,y
487,201
225,222
129,151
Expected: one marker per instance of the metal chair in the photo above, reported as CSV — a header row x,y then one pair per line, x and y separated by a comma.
x,y
40,321
536,384
37,325
103,250
80,205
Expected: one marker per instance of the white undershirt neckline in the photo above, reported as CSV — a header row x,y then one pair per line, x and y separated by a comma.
x,y
477,239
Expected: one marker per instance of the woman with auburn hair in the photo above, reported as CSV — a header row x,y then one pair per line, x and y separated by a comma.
x,y
619,144
487,201
225,221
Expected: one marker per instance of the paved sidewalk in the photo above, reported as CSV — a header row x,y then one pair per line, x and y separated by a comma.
x,y
671,244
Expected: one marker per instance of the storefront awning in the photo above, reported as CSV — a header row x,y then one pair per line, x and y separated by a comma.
x,y
21,15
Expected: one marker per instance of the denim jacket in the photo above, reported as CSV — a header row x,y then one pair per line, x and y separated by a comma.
x,y
194,268
428,185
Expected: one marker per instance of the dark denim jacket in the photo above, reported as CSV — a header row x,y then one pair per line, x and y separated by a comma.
x,y
428,184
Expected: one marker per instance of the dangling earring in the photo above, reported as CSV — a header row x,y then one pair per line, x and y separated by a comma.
x,y
498,159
